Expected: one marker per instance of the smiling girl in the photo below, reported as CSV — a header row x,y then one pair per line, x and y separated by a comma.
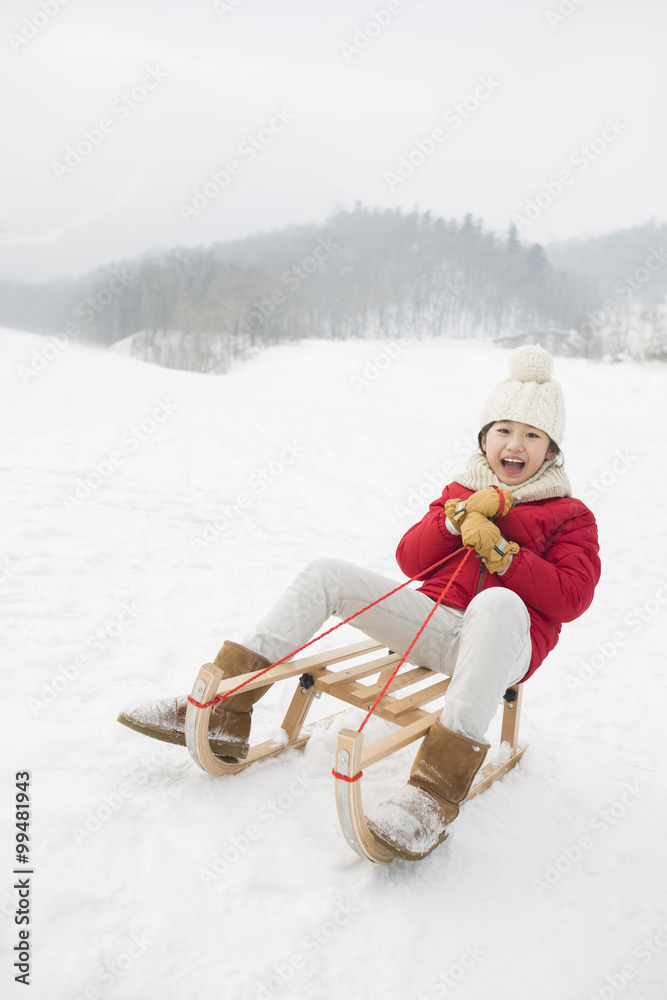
x,y
536,566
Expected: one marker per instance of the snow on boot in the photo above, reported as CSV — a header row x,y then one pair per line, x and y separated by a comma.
x,y
229,724
165,720
417,819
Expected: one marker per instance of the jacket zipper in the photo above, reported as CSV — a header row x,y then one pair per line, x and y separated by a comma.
x,y
482,574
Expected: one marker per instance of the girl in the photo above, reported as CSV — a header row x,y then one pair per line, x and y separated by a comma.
x,y
535,565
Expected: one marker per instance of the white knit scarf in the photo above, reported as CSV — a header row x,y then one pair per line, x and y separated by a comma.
x,y
549,481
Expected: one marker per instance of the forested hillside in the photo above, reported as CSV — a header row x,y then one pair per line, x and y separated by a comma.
x,y
363,273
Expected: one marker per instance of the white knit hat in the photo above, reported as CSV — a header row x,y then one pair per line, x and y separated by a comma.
x,y
529,395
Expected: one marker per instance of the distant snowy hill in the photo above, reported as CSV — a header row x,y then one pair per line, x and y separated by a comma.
x,y
194,352
147,515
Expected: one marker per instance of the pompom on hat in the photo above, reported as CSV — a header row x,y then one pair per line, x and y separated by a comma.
x,y
529,395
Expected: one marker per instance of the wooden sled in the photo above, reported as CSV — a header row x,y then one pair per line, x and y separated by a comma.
x,y
316,676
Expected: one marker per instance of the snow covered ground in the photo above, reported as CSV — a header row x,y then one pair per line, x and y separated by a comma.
x,y
147,515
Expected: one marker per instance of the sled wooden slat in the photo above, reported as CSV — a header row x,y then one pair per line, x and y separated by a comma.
x,y
366,694
333,681
402,680
399,707
339,654
395,741
357,695
294,668
257,680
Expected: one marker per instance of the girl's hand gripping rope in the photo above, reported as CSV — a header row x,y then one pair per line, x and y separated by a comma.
x,y
490,502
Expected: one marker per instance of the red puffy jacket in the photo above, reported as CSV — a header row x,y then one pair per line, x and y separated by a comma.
x,y
555,573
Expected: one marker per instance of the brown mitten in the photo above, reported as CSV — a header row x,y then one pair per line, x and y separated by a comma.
x,y
456,512
479,533
490,502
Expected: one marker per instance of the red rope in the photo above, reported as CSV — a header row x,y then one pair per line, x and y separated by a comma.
x,y
344,777
355,777
408,650
423,573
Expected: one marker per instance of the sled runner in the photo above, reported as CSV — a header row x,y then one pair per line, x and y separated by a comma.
x,y
358,679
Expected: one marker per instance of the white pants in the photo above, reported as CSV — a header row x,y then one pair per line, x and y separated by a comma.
x,y
484,649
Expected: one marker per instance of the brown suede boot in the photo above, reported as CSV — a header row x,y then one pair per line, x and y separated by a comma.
x,y
233,716
415,821
229,725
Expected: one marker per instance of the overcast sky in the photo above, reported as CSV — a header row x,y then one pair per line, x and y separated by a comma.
x,y
116,112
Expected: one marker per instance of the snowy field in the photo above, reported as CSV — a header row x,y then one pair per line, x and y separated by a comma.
x,y
149,514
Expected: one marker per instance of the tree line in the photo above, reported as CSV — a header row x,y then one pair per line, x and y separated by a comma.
x,y
364,272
